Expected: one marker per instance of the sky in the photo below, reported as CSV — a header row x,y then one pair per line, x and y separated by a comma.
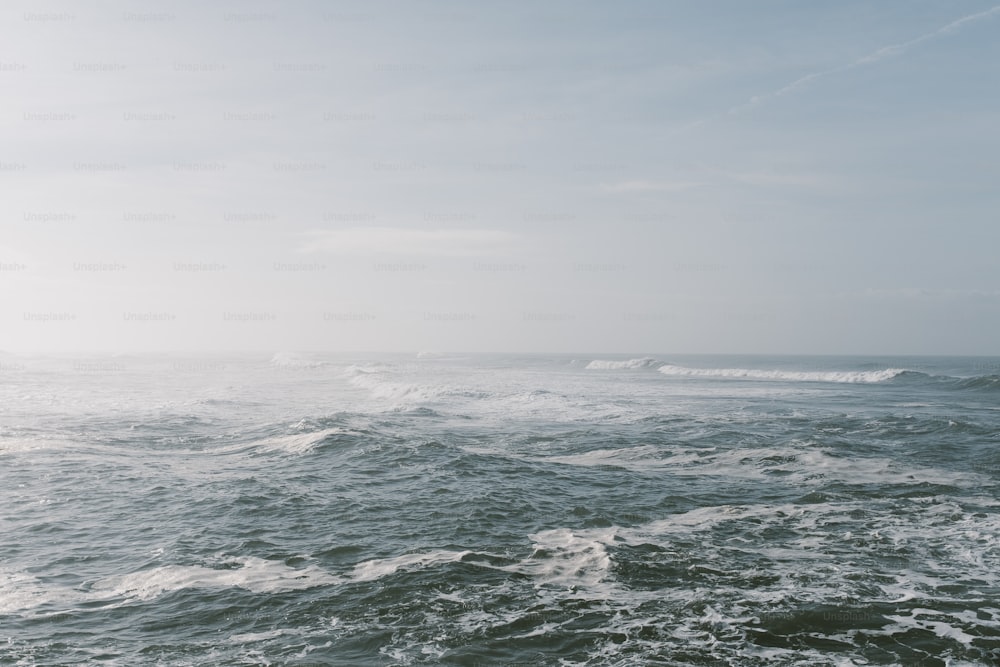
x,y
551,176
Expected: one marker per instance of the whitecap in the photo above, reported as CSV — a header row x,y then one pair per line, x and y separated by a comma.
x,y
795,376
605,364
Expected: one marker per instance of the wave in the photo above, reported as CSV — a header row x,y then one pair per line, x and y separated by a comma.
x,y
980,383
387,386
295,443
867,376
490,401
382,385
293,360
798,376
605,364
973,383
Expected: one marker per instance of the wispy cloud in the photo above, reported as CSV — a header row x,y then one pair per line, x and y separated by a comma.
x,y
882,53
897,49
404,241
649,186
875,56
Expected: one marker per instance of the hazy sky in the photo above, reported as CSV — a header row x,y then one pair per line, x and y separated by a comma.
x,y
720,176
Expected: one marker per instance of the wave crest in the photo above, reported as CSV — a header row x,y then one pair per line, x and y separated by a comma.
x,y
606,364
981,383
795,376
294,360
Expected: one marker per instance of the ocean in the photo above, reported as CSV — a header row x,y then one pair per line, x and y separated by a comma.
x,y
488,510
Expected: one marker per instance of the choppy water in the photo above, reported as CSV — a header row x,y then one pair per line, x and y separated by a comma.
x,y
301,509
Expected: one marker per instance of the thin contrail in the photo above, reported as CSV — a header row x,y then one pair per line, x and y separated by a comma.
x,y
896,49
879,54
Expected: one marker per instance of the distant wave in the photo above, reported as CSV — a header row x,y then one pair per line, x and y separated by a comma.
x,y
881,375
901,375
981,383
800,376
293,360
976,383
383,385
377,382
485,399
607,365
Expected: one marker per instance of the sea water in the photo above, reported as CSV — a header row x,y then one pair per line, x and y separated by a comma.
x,y
431,509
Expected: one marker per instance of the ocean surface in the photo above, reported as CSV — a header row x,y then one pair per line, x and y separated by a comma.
x,y
307,509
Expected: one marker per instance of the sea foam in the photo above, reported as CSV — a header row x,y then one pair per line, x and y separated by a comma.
x,y
254,574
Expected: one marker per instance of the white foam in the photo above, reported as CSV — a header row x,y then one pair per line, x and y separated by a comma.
x,y
254,637
570,559
798,376
942,629
381,567
945,529
20,591
705,518
834,562
254,574
833,558
604,364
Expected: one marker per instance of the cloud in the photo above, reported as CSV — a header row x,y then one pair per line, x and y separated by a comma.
x,y
897,49
875,56
405,241
649,186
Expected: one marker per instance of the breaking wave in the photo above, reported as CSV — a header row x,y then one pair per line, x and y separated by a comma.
x,y
295,360
605,365
799,376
